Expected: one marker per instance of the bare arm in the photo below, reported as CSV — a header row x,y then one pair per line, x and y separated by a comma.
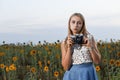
x,y
66,54
95,54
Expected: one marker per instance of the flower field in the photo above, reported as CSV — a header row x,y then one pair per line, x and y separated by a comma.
x,y
43,61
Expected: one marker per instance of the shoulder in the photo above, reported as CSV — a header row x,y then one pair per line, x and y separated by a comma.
x,y
89,35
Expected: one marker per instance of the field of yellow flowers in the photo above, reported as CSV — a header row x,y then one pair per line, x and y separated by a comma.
x,y
43,61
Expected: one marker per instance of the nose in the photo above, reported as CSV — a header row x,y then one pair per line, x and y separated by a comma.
x,y
76,24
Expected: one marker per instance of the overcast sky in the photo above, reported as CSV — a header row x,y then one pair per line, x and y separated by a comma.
x,y
39,20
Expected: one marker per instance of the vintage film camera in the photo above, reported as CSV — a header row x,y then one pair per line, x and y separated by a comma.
x,y
77,39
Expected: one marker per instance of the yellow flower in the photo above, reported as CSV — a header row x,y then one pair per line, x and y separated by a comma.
x,y
117,63
49,52
2,53
48,61
7,68
46,68
12,67
32,52
56,73
112,61
46,48
33,69
104,61
2,66
97,68
14,58
58,46
40,63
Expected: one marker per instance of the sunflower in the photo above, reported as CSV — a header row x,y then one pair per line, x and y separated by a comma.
x,y
33,69
2,53
40,63
7,69
32,52
2,66
58,46
56,73
49,52
117,63
46,68
97,68
12,67
104,61
15,58
48,61
112,61
46,48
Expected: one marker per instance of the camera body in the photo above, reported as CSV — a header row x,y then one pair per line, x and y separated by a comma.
x,y
77,39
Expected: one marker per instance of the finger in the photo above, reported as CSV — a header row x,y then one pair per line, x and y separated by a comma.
x,y
84,44
69,42
69,39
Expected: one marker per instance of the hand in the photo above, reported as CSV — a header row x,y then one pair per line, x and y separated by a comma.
x,y
69,42
87,42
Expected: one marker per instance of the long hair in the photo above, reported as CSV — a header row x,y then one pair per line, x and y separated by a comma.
x,y
83,29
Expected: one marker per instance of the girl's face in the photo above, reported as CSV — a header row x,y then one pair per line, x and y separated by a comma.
x,y
76,24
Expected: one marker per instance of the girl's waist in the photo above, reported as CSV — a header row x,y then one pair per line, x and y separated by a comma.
x,y
83,64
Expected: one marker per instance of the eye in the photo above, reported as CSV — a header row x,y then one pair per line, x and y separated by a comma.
x,y
79,23
73,22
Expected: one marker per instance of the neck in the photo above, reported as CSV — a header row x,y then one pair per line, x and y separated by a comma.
x,y
75,33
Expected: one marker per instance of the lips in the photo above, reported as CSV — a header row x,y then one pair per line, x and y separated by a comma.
x,y
75,29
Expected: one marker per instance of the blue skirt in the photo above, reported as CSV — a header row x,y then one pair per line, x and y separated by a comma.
x,y
85,71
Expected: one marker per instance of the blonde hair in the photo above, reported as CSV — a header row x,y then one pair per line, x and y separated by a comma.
x,y
83,29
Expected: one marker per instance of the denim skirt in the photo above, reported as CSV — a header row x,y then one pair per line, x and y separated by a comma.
x,y
85,71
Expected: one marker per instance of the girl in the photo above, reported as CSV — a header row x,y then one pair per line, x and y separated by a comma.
x,y
77,58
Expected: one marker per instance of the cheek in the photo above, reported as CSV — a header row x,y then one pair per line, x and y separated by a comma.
x,y
71,28
71,24
79,27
